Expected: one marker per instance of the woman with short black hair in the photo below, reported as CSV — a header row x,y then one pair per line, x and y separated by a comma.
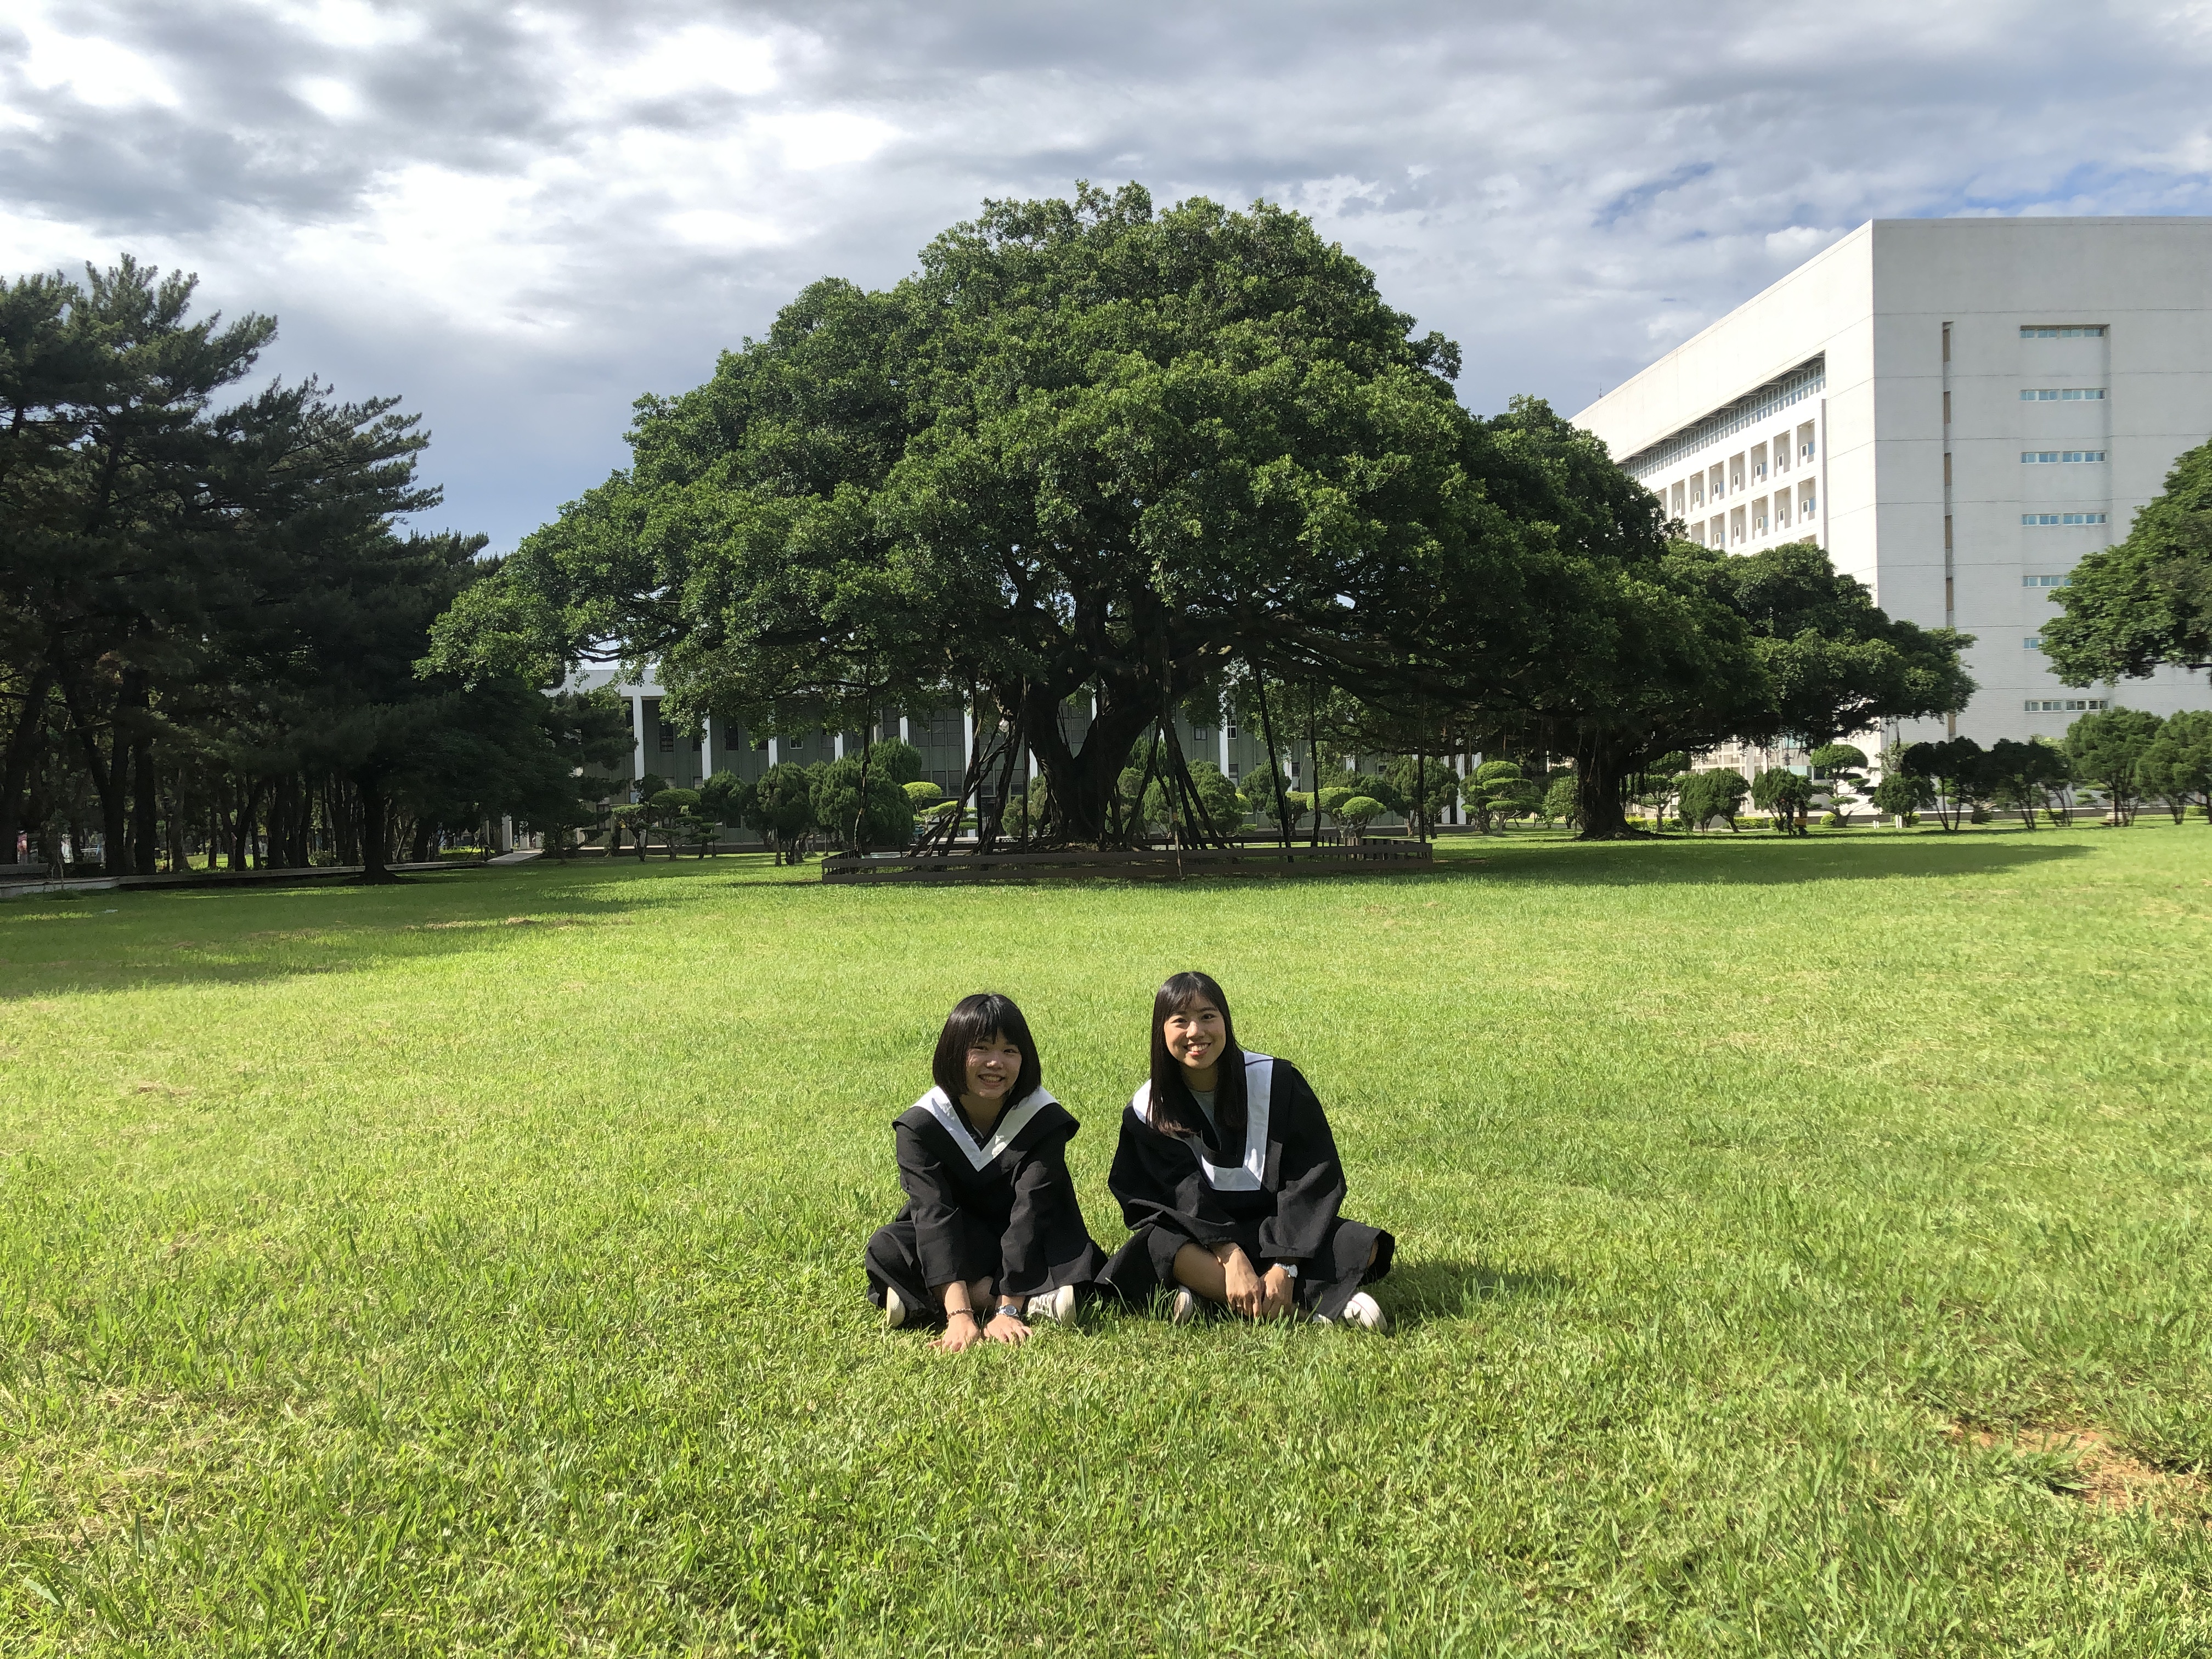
x,y
1229,1173
991,1235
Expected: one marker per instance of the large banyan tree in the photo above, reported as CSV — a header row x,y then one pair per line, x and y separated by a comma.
x,y
1087,450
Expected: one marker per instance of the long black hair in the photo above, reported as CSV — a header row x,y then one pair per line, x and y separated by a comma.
x,y
1174,1111
985,1014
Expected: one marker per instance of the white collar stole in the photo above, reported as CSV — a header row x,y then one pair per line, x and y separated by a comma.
x,y
1011,1123
1245,1177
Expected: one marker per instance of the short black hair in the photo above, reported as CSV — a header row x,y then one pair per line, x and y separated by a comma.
x,y
985,1014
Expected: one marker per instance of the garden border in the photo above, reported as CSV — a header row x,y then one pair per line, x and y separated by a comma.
x,y
1152,864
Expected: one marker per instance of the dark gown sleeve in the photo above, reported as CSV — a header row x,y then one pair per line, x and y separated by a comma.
x,y
1157,1182
1311,1181
940,1223
1043,1193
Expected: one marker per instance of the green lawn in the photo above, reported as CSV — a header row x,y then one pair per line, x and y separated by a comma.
x,y
474,1265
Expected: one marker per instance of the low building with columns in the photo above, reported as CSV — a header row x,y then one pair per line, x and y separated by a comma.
x,y
945,738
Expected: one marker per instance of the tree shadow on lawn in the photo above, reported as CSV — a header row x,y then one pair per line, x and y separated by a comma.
x,y
1418,1292
170,936
1766,861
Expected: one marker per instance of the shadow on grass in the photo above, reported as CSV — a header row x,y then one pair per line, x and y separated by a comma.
x,y
107,940
1417,1292
1752,860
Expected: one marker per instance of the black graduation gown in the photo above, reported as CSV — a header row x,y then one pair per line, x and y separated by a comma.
x,y
1278,1195
1005,1210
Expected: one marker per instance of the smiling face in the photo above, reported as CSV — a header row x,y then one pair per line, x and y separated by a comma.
x,y
1196,1034
993,1065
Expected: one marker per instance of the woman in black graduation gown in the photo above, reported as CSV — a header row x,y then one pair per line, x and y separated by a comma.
x,y
992,1235
1228,1172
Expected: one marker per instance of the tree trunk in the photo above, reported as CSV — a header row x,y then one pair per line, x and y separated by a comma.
x,y
1313,760
375,829
23,744
142,829
108,774
1083,783
1600,779
1274,760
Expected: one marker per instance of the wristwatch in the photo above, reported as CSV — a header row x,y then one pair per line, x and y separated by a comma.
x,y
1011,1310
1289,1268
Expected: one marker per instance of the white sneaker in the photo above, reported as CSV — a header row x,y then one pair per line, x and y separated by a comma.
x,y
1058,1306
895,1308
1365,1312
1184,1308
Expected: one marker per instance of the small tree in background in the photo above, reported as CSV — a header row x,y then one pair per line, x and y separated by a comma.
x,y
1957,770
1902,794
726,797
1356,813
1709,795
897,759
2027,776
1272,807
2176,768
1498,788
631,815
1327,800
1841,766
1426,788
1659,782
1787,795
2108,750
783,810
886,817
1559,800
668,810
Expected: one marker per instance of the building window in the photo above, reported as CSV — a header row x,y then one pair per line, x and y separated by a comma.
x,y
2058,457
2043,582
2070,394
1233,769
1232,734
667,737
2093,332
2046,519
2064,705
2032,642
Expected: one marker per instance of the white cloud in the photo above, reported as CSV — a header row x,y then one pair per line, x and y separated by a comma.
x,y
827,138
90,68
334,97
503,210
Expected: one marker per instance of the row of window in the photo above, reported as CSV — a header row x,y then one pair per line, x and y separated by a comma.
x,y
2050,456
2061,518
2064,705
2064,394
2044,581
2094,332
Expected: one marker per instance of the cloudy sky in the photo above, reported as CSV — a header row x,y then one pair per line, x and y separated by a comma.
x,y
519,217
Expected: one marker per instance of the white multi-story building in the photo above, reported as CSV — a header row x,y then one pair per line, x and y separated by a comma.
x,y
1957,411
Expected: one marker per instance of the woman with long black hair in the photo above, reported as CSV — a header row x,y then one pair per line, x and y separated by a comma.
x,y
991,1235
1228,1173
